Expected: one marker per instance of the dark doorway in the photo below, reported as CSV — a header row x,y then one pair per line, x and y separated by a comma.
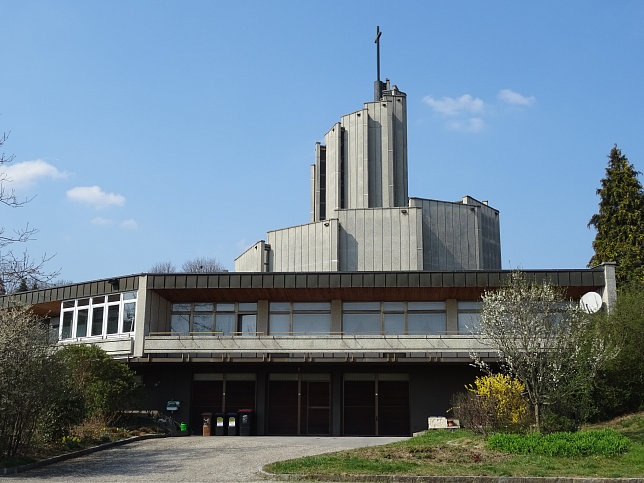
x,y
299,404
376,404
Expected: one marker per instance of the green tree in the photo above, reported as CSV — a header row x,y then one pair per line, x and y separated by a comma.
x,y
620,221
619,387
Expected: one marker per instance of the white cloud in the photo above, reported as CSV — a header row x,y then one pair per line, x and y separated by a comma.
x,y
99,220
28,172
451,106
94,195
129,224
473,124
514,98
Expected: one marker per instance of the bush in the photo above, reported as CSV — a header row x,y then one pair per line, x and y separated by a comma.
x,y
494,402
107,386
604,442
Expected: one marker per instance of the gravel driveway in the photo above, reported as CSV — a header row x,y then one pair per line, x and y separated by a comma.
x,y
192,458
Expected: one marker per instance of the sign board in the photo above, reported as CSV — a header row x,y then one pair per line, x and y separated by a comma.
x,y
173,405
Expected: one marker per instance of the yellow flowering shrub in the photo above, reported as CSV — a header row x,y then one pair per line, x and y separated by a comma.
x,y
502,396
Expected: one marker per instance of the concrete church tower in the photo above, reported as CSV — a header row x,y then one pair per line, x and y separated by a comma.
x,y
363,162
362,218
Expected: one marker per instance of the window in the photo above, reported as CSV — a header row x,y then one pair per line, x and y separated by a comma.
x,y
214,319
299,318
426,318
391,318
100,316
469,314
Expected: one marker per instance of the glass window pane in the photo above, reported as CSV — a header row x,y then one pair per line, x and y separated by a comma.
x,y
181,307
248,324
308,323
426,323
97,320
98,300
469,323
83,302
202,323
129,296
361,306
68,317
114,298
225,307
248,307
180,324
321,306
112,319
425,305
394,324
225,323
279,323
203,307
394,306
280,306
129,311
469,305
68,304
81,323
356,323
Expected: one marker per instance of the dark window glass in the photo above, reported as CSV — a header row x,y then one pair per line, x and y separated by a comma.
x,y
129,311
112,319
97,320
81,323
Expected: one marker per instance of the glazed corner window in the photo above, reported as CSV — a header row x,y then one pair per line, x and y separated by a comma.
x,y
223,319
469,317
100,316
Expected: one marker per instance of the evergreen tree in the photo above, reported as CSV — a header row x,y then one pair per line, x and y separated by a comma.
x,y
620,221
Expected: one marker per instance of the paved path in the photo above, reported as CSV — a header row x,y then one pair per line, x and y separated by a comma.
x,y
193,459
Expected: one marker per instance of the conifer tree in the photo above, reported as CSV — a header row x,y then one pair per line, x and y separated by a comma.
x,y
620,221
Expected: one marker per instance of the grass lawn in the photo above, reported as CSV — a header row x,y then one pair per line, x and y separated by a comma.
x,y
461,452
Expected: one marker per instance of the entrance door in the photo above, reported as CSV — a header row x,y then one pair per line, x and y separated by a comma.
x,y
376,404
299,404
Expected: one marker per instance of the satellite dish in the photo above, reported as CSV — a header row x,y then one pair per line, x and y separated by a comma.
x,y
590,302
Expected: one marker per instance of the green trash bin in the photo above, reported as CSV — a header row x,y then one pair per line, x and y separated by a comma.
x,y
183,427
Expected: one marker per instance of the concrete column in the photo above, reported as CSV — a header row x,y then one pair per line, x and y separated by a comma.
x,y
261,390
141,318
336,315
451,309
262,316
609,292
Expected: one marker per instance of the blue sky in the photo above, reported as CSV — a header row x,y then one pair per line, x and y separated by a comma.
x,y
167,130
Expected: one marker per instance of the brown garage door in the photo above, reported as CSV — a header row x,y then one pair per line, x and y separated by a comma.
x,y
299,404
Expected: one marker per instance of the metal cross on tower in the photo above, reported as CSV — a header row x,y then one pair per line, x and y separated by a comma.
x,y
377,42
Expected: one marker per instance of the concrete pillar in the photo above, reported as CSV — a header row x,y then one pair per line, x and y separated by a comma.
x,y
336,315
262,316
141,318
336,403
451,309
609,292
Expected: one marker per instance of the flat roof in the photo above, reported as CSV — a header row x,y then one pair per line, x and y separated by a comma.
x,y
309,286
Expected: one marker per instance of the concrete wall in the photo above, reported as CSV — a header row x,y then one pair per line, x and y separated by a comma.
x,y
459,236
380,239
310,247
252,260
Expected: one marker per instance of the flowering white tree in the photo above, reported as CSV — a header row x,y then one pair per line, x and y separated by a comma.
x,y
541,338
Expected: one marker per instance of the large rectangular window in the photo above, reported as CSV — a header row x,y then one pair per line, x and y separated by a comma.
x,y
223,319
390,318
100,316
300,318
